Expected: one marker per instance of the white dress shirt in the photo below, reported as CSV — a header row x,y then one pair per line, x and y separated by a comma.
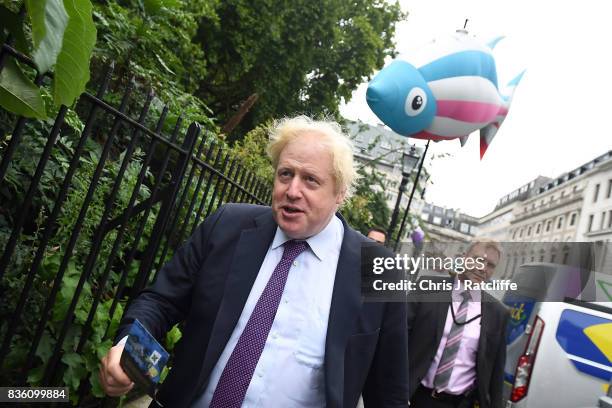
x,y
290,372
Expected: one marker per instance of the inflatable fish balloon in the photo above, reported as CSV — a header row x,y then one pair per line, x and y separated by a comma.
x,y
447,91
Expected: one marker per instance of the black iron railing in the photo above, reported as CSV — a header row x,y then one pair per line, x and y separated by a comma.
x,y
71,258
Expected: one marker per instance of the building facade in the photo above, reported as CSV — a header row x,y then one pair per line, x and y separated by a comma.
x,y
496,224
547,215
382,149
448,224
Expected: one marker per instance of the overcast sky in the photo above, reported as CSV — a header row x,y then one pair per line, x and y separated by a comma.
x,y
558,117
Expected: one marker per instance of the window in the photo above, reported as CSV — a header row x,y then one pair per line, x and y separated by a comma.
x,y
596,192
465,228
603,220
514,234
572,220
538,228
529,231
560,223
590,226
424,216
609,188
521,233
610,219
437,220
548,225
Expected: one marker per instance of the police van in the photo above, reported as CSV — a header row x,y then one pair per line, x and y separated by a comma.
x,y
559,339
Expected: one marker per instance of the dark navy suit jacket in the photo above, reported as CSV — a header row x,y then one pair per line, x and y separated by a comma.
x,y
206,285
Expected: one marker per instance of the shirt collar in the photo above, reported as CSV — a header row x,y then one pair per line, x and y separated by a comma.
x,y
319,243
475,295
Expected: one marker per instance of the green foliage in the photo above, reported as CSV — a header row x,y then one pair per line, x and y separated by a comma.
x,y
72,68
13,21
298,56
368,205
154,44
18,94
73,367
251,151
63,36
49,20
172,337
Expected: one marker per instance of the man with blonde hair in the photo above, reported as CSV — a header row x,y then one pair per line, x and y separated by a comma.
x,y
271,297
458,346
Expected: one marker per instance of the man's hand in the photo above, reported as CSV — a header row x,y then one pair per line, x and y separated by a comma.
x,y
112,377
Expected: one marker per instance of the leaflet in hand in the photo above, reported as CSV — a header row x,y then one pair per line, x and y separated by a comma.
x,y
143,358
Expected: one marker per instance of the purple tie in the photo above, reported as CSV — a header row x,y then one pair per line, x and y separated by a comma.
x,y
236,376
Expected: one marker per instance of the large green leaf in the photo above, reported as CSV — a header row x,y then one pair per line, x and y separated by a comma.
x,y
18,94
36,12
72,67
49,20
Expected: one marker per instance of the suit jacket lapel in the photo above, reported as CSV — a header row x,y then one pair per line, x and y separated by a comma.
x,y
485,320
250,252
345,304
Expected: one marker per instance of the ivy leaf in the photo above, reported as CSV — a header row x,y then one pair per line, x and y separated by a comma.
x,y
172,337
72,67
18,94
103,347
96,387
49,22
76,370
36,375
45,347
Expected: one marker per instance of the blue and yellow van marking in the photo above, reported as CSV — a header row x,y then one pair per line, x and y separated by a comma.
x,y
587,340
520,312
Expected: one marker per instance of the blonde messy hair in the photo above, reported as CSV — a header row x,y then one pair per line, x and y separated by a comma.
x,y
340,147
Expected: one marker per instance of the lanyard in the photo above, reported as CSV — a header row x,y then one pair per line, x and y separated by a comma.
x,y
462,323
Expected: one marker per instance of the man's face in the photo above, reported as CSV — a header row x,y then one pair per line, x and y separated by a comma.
x,y
305,196
488,256
377,236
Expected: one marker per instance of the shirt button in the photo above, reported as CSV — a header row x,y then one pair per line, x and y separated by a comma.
x,y
295,263
274,336
286,300
259,374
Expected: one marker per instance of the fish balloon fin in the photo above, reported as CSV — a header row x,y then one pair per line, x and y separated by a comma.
x,y
491,44
511,87
463,140
487,134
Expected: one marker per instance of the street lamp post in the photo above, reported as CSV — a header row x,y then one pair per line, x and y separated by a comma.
x,y
409,161
414,186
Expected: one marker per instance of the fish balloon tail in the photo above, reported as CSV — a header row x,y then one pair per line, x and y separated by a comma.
x,y
488,132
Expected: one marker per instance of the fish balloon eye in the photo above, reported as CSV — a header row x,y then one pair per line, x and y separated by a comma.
x,y
415,101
